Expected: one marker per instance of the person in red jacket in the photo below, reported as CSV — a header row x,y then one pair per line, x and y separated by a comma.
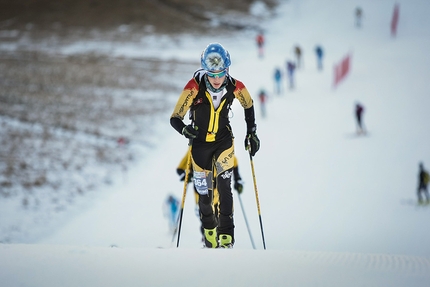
x,y
263,99
260,44
208,96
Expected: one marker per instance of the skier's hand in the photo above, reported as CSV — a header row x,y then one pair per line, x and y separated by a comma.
x,y
238,186
252,143
190,132
181,174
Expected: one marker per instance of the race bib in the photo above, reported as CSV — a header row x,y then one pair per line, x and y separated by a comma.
x,y
200,182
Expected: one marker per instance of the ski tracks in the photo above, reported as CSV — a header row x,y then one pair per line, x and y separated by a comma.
x,y
400,264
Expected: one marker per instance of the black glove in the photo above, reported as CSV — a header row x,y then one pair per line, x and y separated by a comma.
x,y
238,186
252,143
181,174
190,132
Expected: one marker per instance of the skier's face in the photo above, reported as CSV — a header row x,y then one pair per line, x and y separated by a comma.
x,y
216,78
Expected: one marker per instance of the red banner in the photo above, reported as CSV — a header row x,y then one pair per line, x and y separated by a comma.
x,y
395,20
341,70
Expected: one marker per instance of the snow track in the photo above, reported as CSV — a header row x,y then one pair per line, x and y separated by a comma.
x,y
62,265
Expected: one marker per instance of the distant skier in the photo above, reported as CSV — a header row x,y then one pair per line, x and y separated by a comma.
x,y
298,53
358,16
263,99
291,67
171,211
278,81
423,180
359,110
395,20
260,44
320,53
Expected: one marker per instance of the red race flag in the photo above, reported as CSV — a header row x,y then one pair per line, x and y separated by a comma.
x,y
395,20
342,69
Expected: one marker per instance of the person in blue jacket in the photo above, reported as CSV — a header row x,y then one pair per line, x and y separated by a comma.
x,y
278,83
320,53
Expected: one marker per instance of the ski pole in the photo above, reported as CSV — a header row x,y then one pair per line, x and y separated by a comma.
x,y
187,173
256,197
175,231
246,221
176,228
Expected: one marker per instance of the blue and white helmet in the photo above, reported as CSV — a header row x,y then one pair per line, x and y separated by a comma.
x,y
215,58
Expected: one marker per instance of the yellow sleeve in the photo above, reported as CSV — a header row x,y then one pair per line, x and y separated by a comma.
x,y
241,93
185,99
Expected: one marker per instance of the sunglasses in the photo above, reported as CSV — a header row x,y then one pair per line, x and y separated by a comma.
x,y
217,75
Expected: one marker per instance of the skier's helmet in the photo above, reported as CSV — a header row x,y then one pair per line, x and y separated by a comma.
x,y
215,58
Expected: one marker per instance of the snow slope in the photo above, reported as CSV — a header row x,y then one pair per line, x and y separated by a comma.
x,y
63,265
335,205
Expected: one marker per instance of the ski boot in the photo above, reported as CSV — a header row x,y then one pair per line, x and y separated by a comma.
x,y
211,238
226,241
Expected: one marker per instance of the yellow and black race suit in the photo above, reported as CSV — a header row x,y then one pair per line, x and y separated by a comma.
x,y
213,149
212,123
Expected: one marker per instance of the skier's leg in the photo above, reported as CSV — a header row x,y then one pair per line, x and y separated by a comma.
x,y
419,194
224,169
426,193
358,123
208,219
226,223
207,215
202,176
196,196
202,171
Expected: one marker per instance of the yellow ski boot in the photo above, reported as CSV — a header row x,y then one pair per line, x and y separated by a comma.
x,y
226,241
211,238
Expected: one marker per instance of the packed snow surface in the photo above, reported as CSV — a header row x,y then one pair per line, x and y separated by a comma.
x,y
337,208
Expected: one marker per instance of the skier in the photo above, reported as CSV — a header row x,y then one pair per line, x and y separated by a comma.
x,y
278,78
298,53
395,20
319,52
423,180
209,95
171,208
359,109
358,16
291,67
260,44
263,98
238,185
